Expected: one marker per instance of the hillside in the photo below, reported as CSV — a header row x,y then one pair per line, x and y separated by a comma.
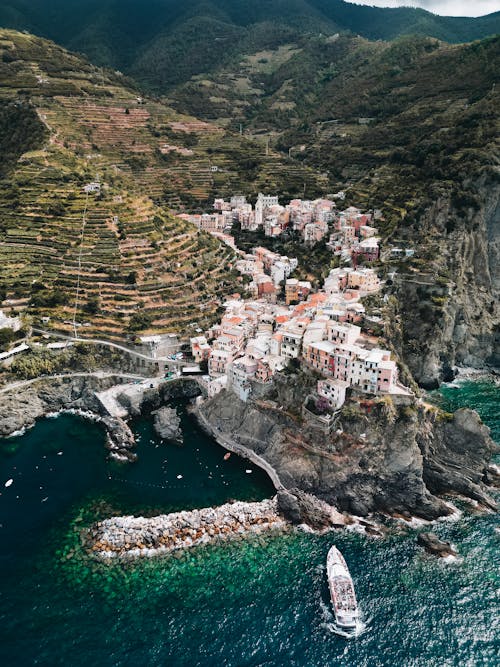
x,y
163,42
65,123
410,127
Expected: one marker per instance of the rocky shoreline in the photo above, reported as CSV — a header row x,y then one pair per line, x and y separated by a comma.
x,y
384,458
48,397
133,537
380,457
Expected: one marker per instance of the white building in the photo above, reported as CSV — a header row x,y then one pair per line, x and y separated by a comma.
x,y
239,374
334,391
343,334
6,322
95,186
263,203
291,343
159,346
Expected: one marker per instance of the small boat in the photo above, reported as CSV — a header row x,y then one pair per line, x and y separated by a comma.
x,y
226,456
345,606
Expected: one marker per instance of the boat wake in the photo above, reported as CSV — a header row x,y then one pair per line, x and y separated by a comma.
x,y
330,625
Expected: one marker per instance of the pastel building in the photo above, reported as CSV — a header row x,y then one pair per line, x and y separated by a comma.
x,y
296,290
343,334
365,280
200,349
334,391
239,374
218,362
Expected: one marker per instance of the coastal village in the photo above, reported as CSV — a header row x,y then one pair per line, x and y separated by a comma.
x,y
283,320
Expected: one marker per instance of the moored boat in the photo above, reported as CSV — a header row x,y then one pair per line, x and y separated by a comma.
x,y
345,606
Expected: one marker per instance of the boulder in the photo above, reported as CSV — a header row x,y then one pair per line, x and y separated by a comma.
x,y
167,424
300,507
433,545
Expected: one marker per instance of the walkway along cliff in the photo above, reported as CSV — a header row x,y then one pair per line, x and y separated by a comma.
x,y
385,455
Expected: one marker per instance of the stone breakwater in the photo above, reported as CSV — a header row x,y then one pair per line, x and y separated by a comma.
x,y
132,537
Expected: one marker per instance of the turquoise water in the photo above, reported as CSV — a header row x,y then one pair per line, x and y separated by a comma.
x,y
251,603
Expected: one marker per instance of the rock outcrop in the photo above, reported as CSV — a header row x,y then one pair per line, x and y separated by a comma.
x,y
20,409
153,398
379,457
448,314
303,508
119,439
433,545
167,424
456,453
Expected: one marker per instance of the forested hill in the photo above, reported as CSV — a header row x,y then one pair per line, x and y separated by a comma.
x,y
164,42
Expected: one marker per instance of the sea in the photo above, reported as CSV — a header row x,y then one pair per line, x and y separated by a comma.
x,y
255,602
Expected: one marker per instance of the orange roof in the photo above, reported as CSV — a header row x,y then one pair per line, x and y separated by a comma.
x,y
299,308
317,298
282,318
234,321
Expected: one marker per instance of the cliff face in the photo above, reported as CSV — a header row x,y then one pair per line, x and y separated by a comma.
x,y
448,312
379,456
21,408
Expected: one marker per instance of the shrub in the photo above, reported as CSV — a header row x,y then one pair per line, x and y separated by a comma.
x,y
93,305
140,321
7,336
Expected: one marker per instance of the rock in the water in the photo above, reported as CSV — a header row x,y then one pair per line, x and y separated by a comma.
x,y
433,545
167,424
303,508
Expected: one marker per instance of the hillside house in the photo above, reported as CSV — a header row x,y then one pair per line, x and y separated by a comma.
x,y
200,349
6,322
296,290
334,391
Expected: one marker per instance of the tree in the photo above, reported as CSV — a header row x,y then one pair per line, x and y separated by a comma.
x,y
6,337
93,305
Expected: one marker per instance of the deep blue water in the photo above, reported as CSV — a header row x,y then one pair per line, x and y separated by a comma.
x,y
250,603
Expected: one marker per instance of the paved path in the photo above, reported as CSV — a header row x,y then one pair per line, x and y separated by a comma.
x,y
116,346
14,386
241,450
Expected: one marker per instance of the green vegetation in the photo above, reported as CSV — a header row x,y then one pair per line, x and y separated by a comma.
x,y
7,336
134,255
20,130
79,358
140,321
166,43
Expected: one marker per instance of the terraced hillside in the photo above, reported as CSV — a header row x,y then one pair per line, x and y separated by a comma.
x,y
411,127
117,254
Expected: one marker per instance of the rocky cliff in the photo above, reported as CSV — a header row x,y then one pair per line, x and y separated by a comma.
x,y
447,311
379,456
21,407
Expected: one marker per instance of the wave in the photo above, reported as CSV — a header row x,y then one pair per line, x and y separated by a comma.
x,y
330,625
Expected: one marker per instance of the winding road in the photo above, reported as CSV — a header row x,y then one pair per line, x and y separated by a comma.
x,y
21,384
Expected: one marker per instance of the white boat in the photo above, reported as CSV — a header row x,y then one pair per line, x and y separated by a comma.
x,y
345,606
